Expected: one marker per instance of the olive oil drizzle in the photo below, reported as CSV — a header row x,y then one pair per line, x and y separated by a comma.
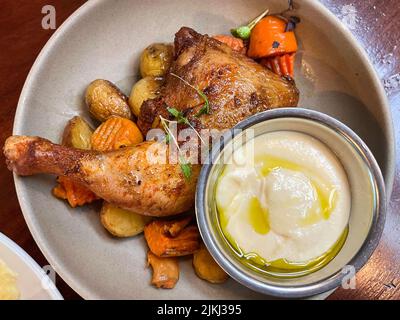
x,y
258,217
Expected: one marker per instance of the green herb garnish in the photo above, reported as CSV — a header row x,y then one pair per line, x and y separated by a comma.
x,y
186,168
206,107
179,117
167,138
243,32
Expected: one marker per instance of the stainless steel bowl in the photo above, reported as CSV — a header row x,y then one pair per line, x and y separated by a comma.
x,y
368,202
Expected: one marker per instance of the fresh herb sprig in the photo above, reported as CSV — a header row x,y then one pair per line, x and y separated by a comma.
x,y
205,109
185,166
180,118
178,115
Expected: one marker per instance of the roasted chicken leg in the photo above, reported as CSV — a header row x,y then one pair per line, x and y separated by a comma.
x,y
236,87
125,178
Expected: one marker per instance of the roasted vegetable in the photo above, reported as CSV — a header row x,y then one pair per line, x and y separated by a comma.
x,y
72,191
105,100
275,43
116,133
77,134
163,244
122,223
165,271
206,268
174,227
269,38
156,59
235,43
145,89
282,64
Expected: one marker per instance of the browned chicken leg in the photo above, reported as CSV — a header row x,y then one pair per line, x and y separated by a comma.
x,y
125,177
236,87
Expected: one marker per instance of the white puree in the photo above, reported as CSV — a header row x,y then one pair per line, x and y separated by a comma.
x,y
289,200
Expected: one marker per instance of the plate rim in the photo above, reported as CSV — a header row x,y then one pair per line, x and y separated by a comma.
x,y
87,7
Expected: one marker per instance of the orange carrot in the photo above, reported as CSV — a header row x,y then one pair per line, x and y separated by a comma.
x,y
75,193
276,47
116,133
235,43
163,244
268,38
281,65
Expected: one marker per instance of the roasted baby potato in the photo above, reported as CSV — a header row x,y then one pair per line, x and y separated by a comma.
x,y
165,271
206,268
105,100
122,223
156,59
77,134
145,89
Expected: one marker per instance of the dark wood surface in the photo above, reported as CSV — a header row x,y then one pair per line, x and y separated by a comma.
x,y
378,30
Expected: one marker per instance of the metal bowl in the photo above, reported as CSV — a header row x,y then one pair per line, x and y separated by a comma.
x,y
368,202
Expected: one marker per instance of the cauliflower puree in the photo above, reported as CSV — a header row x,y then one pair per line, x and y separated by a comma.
x,y
287,204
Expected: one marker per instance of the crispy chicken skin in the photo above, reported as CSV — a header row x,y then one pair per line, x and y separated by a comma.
x,y
236,87
124,178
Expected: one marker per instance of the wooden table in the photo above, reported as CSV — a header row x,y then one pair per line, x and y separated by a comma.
x,y
378,29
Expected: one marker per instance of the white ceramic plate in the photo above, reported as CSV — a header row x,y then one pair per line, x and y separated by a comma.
x,y
103,39
32,281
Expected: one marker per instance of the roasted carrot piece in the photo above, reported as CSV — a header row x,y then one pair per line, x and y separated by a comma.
x,y
165,271
116,133
282,65
290,63
275,65
276,47
284,70
75,193
173,228
162,244
268,38
234,43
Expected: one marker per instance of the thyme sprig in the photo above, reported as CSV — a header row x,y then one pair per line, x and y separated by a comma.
x,y
180,118
185,166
